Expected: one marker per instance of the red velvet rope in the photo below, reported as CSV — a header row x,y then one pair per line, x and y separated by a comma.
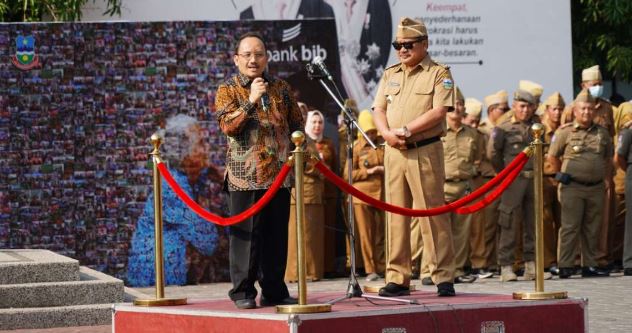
x,y
493,195
520,160
522,157
225,221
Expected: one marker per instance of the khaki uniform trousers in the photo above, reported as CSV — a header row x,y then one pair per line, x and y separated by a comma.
x,y
417,173
515,209
416,244
552,217
582,209
483,232
606,234
370,229
420,262
314,236
461,225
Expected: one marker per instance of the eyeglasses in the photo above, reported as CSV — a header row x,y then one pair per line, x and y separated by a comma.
x,y
249,55
407,45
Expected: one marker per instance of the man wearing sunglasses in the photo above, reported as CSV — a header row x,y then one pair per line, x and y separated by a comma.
x,y
409,111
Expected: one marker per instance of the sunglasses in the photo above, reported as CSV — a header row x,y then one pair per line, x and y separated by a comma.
x,y
407,45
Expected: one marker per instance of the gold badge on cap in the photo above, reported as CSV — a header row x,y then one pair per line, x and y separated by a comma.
x,y
577,149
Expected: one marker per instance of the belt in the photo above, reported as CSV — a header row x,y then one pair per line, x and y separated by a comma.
x,y
527,174
587,183
423,142
455,180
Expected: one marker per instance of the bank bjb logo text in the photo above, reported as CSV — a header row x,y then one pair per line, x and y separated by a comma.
x,y
298,53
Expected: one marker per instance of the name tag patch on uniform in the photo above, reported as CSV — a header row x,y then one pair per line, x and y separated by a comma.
x,y
447,84
393,84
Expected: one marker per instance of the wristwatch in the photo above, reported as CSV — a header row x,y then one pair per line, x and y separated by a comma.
x,y
406,132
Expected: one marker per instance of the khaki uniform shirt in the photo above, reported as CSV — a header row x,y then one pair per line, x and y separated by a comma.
x,y
462,152
365,157
549,132
406,94
603,115
508,140
485,168
327,154
584,151
486,126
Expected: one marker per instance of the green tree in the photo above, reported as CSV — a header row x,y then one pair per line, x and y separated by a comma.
x,y
49,10
601,35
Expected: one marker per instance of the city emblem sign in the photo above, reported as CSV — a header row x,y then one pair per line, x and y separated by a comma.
x,y
25,57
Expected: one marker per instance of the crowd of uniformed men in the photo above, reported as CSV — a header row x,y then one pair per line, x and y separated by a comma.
x,y
584,180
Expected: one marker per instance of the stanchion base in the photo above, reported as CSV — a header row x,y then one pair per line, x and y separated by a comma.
x,y
306,308
540,295
376,289
160,302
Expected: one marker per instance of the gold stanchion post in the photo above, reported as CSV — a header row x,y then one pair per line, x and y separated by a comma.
x,y
160,299
302,307
538,187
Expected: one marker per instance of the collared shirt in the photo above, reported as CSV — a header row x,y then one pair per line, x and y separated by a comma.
x,y
258,141
508,140
364,158
486,126
406,94
549,132
584,151
462,151
603,115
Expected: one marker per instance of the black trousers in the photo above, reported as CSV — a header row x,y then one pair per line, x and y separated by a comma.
x,y
258,246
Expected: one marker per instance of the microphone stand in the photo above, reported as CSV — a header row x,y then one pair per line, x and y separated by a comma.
x,y
353,288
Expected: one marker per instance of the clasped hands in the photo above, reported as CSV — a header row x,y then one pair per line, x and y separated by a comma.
x,y
396,138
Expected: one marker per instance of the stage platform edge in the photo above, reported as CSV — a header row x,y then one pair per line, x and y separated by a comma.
x,y
467,312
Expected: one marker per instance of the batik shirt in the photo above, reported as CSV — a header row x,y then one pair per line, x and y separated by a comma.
x,y
258,141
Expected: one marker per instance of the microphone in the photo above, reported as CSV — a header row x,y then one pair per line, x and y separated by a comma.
x,y
265,102
318,62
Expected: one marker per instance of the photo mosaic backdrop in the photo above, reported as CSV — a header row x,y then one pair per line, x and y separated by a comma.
x,y
74,128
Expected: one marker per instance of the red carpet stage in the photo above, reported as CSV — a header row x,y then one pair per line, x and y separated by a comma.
x,y
485,313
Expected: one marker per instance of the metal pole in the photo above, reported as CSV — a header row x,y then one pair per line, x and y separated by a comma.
x,y
160,299
538,190
159,262
299,159
298,138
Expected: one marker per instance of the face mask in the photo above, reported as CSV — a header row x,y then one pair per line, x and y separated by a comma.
x,y
596,91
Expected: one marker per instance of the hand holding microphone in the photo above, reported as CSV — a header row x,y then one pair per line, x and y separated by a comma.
x,y
258,92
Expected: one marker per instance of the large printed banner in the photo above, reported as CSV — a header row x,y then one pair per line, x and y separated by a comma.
x,y
490,45
78,102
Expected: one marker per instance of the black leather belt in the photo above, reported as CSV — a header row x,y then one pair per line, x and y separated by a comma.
x,y
423,142
587,183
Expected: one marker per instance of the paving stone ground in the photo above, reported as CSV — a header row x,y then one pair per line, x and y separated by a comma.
x,y
609,299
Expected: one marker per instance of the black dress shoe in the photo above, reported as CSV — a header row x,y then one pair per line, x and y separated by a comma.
x,y
445,289
465,279
554,270
393,290
286,301
565,272
247,303
627,271
427,281
594,272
